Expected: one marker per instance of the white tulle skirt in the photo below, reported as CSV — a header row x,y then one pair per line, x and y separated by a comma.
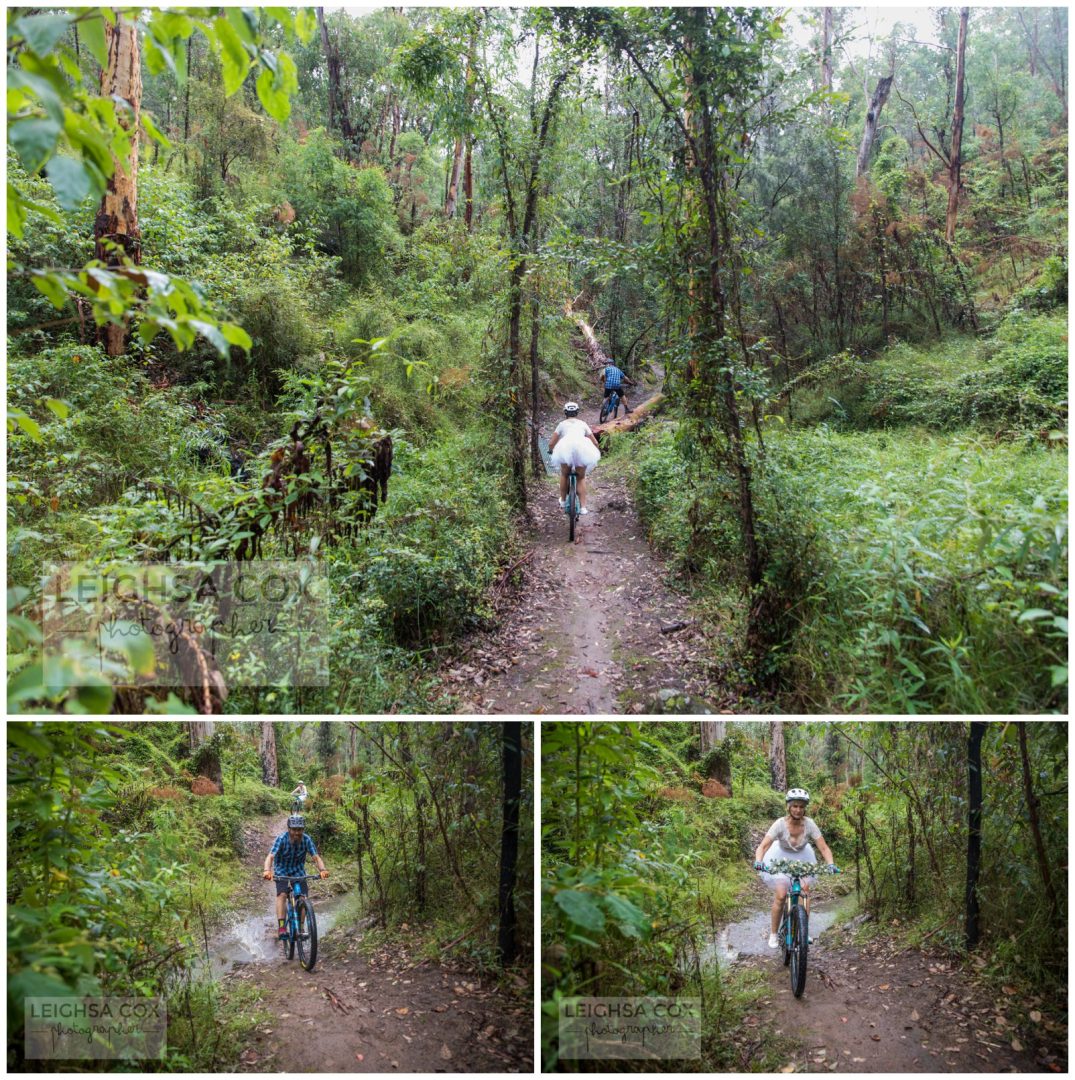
x,y
777,852
575,452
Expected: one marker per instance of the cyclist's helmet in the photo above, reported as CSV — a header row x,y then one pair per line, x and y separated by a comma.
x,y
797,794
571,409
296,822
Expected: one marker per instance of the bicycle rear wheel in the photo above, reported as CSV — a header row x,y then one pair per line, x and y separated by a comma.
x,y
800,943
307,933
572,506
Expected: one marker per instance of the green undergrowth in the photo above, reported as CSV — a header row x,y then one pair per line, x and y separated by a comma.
x,y
920,572
637,876
1011,383
412,584
932,571
208,1022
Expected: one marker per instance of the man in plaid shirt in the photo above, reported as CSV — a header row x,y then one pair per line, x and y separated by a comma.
x,y
288,859
614,379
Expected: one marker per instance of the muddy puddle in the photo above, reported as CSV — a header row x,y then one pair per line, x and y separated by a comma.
x,y
252,939
749,937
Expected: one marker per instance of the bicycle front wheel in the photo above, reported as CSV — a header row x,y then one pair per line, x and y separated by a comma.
x,y
800,942
307,933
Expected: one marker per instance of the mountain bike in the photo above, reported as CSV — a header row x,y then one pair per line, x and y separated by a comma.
x,y
611,406
573,505
300,923
794,933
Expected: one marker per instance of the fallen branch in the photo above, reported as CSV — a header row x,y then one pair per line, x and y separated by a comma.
x,y
337,1003
675,627
502,581
638,416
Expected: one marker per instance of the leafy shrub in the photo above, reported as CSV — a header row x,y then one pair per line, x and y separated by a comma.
x,y
352,210
436,549
1050,290
932,575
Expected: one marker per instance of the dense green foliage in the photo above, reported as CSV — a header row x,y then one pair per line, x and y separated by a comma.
x,y
636,867
924,570
906,822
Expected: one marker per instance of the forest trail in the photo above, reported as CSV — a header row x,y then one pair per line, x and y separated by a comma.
x,y
882,1008
384,1012
593,627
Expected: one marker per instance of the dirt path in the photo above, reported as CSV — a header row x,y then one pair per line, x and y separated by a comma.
x,y
365,1011
584,631
881,1008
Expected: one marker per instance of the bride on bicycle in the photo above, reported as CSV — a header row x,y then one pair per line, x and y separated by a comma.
x,y
789,838
573,446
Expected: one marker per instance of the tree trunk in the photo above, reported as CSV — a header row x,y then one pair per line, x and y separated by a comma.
x,y
407,758
333,70
468,175
642,412
535,330
955,161
204,754
453,184
509,839
715,765
826,48
1035,829
186,94
337,104
974,826
778,767
383,913
595,354
269,772
198,732
468,184
873,118
515,368
115,231
911,881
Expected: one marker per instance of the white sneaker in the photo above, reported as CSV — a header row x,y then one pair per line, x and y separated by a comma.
x,y
583,511
563,503
773,943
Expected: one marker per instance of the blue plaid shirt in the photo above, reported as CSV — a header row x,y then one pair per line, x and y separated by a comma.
x,y
613,377
289,861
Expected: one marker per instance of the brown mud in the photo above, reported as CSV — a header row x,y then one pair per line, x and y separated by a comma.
x,y
882,1007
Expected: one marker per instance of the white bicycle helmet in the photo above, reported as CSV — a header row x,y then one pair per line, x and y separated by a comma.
x,y
571,409
797,794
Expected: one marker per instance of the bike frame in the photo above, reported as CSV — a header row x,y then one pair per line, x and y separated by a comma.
x,y
611,408
793,899
572,508
293,893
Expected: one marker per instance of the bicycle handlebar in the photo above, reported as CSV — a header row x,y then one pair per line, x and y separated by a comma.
x,y
798,869
296,877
